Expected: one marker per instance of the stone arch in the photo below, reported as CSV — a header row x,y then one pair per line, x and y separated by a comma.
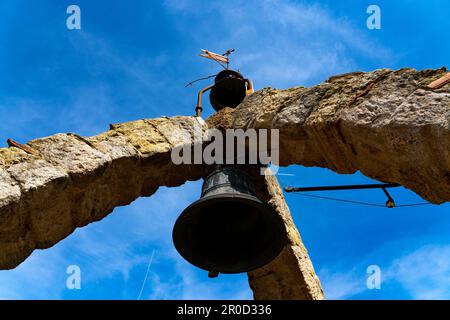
x,y
387,124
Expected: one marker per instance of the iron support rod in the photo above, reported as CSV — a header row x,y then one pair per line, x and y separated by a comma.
x,y
198,108
348,187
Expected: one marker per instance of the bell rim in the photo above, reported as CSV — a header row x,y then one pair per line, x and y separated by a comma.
x,y
279,226
220,77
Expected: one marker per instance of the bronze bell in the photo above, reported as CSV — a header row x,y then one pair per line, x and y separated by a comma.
x,y
229,89
229,230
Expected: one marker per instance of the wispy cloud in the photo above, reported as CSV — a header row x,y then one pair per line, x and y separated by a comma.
x,y
109,85
117,250
281,43
341,285
37,278
424,273
188,284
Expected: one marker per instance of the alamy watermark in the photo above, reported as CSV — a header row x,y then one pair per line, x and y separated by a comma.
x,y
374,20
234,146
73,281
374,278
73,21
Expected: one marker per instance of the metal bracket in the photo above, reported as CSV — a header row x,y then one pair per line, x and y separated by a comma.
x,y
347,187
390,203
198,108
250,89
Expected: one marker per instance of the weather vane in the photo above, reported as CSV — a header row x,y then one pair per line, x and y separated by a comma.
x,y
229,88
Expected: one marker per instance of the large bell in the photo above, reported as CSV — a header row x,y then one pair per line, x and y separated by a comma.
x,y
229,90
229,230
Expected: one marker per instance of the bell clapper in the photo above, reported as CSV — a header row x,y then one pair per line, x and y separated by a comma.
x,y
213,274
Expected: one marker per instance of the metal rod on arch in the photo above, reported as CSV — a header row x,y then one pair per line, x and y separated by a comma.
x,y
347,187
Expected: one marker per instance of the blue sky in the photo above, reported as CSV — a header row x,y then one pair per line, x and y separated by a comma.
x,y
132,59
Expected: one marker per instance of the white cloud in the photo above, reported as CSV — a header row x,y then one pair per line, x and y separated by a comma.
x,y
341,285
87,106
424,273
280,43
37,278
185,284
119,247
